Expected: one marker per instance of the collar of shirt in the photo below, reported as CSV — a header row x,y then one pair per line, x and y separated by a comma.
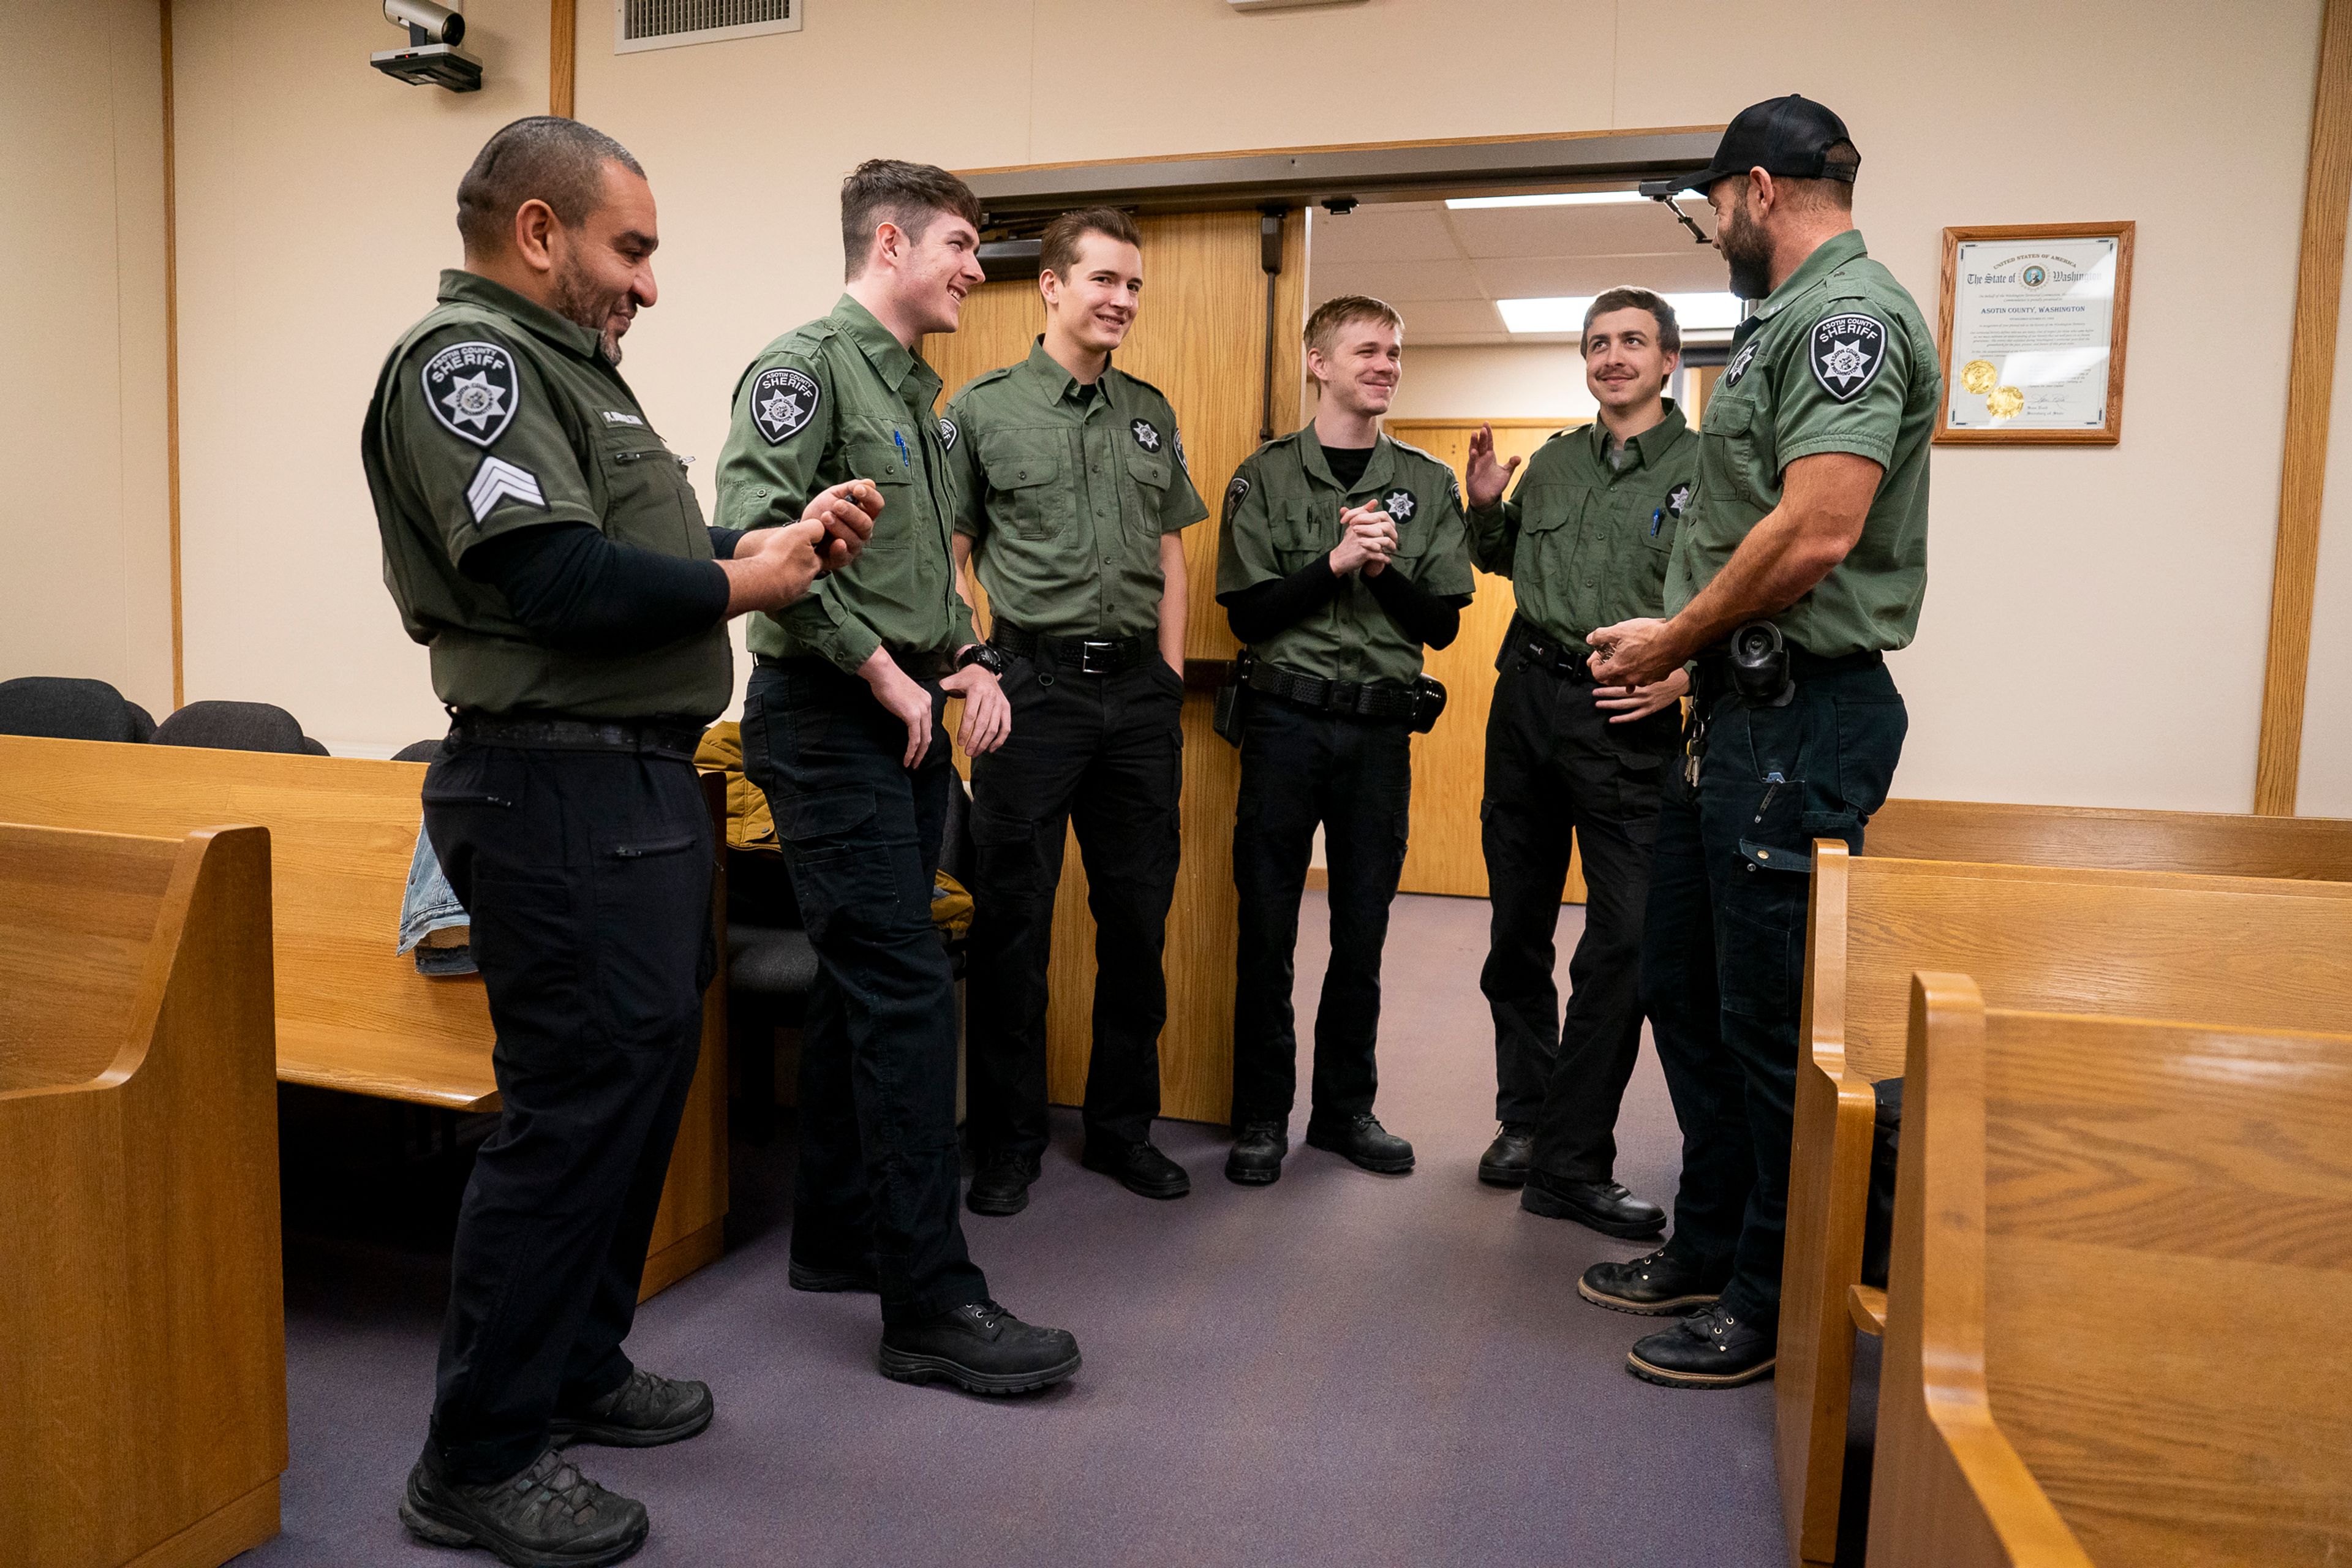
x,y
1376,472
1060,386
1657,438
891,359
1827,256
462,287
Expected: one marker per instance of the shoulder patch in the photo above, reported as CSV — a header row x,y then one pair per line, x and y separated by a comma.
x,y
473,388
947,433
1234,493
783,400
1846,351
1177,437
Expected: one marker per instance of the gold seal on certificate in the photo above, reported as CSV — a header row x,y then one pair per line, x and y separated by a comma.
x,y
2004,403
2033,344
1978,376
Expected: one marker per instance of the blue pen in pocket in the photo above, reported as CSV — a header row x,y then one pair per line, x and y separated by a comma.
x,y
1656,518
907,463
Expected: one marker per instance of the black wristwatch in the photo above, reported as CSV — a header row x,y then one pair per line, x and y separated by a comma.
x,y
988,655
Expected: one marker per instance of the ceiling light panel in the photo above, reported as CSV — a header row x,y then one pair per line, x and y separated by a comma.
x,y
1565,313
1560,199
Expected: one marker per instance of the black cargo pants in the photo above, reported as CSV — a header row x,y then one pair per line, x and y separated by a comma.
x,y
1723,958
1107,753
880,1170
587,877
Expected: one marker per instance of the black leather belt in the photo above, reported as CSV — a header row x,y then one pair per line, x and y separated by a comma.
x,y
1530,644
651,737
1087,656
1713,674
1356,698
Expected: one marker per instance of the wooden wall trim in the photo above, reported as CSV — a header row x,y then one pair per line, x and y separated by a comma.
x,y
562,54
172,359
2311,375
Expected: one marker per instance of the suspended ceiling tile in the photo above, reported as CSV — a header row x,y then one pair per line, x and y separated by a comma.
x,y
1385,232
1674,274
1572,231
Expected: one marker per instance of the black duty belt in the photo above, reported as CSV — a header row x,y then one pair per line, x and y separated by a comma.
x,y
1087,656
1714,673
1530,644
1356,698
551,732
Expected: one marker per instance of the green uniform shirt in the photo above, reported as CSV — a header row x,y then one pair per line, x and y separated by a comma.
x,y
1585,541
1282,511
842,399
1838,361
493,414
1065,492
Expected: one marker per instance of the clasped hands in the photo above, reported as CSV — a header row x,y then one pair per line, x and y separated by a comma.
x,y
1368,538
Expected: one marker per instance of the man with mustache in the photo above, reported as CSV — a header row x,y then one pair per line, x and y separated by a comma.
x,y
1585,542
542,542
1340,558
841,728
1808,534
1075,500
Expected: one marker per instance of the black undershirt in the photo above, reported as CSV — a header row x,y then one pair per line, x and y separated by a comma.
x,y
1347,464
1259,611
578,592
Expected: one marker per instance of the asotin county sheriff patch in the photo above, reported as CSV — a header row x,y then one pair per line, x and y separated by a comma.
x,y
783,400
472,389
1846,351
947,433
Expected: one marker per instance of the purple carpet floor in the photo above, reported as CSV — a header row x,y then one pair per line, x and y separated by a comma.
x,y
1343,1368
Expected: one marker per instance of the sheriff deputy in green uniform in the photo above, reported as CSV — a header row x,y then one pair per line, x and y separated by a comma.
x,y
1585,544
540,539
841,728
1342,555
1801,562
1075,500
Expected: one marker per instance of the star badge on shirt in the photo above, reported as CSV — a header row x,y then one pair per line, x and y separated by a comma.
x,y
1677,498
1400,504
1146,434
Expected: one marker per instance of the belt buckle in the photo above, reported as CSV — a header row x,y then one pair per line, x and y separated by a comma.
x,y
1086,652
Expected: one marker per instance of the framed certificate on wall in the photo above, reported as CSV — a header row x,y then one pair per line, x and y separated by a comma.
x,y
2033,325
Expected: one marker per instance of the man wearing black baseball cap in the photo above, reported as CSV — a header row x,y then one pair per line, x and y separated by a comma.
x,y
1801,561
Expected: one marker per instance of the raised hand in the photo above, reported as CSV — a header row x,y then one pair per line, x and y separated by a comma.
x,y
1487,479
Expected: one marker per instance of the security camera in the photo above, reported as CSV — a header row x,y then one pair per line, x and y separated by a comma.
x,y
432,57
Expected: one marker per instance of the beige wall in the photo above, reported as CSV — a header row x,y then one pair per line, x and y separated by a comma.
x,y
314,214
1540,381
85,541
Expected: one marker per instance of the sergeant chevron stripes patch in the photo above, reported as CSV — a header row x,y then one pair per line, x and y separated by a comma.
x,y
499,480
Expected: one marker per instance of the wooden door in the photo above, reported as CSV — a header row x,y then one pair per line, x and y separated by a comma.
x,y
1449,763
1201,339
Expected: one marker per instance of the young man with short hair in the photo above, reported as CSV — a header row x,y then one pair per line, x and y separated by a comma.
x,y
1585,541
1075,500
1340,558
841,728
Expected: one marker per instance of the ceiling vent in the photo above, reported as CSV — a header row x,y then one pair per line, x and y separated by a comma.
x,y
666,23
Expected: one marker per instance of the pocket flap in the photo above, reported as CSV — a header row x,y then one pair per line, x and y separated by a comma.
x,y
1294,528
1725,417
1775,857
875,457
1548,507
828,814
1148,470
1022,467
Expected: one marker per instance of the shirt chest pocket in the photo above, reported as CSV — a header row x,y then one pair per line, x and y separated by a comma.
x,y
1734,451
648,502
880,450
1299,536
1024,485
1149,478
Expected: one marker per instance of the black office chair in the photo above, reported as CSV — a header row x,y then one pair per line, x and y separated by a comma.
x,y
418,752
61,708
237,727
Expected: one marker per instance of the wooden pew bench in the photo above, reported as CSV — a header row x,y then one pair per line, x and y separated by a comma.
x,y
142,1341
2257,952
2209,842
352,1015
2120,1249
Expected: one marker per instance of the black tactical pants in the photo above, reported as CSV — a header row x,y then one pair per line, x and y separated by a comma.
x,y
1556,766
587,879
1105,753
1354,776
1723,959
880,1170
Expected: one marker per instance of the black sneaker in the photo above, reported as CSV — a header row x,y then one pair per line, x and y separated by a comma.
x,y
979,1347
645,1412
1256,1157
1710,1349
1504,1162
1139,1167
1001,1185
818,1278
1656,1286
1362,1139
1606,1206
548,1515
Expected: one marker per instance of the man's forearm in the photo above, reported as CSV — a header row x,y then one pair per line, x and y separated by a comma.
x,y
1173,602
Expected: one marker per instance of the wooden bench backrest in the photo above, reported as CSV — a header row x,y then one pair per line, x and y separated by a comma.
x,y
78,913
2159,1219
353,1014
2206,843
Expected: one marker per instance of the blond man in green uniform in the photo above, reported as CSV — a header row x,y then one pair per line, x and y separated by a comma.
x,y
1342,556
1075,500
1802,564
841,728
1585,541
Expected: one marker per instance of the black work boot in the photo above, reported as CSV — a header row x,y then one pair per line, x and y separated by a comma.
x,y
1657,1286
1139,1167
548,1515
1606,1206
1001,1185
645,1412
1710,1349
981,1347
1256,1157
825,1278
1362,1139
1504,1162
